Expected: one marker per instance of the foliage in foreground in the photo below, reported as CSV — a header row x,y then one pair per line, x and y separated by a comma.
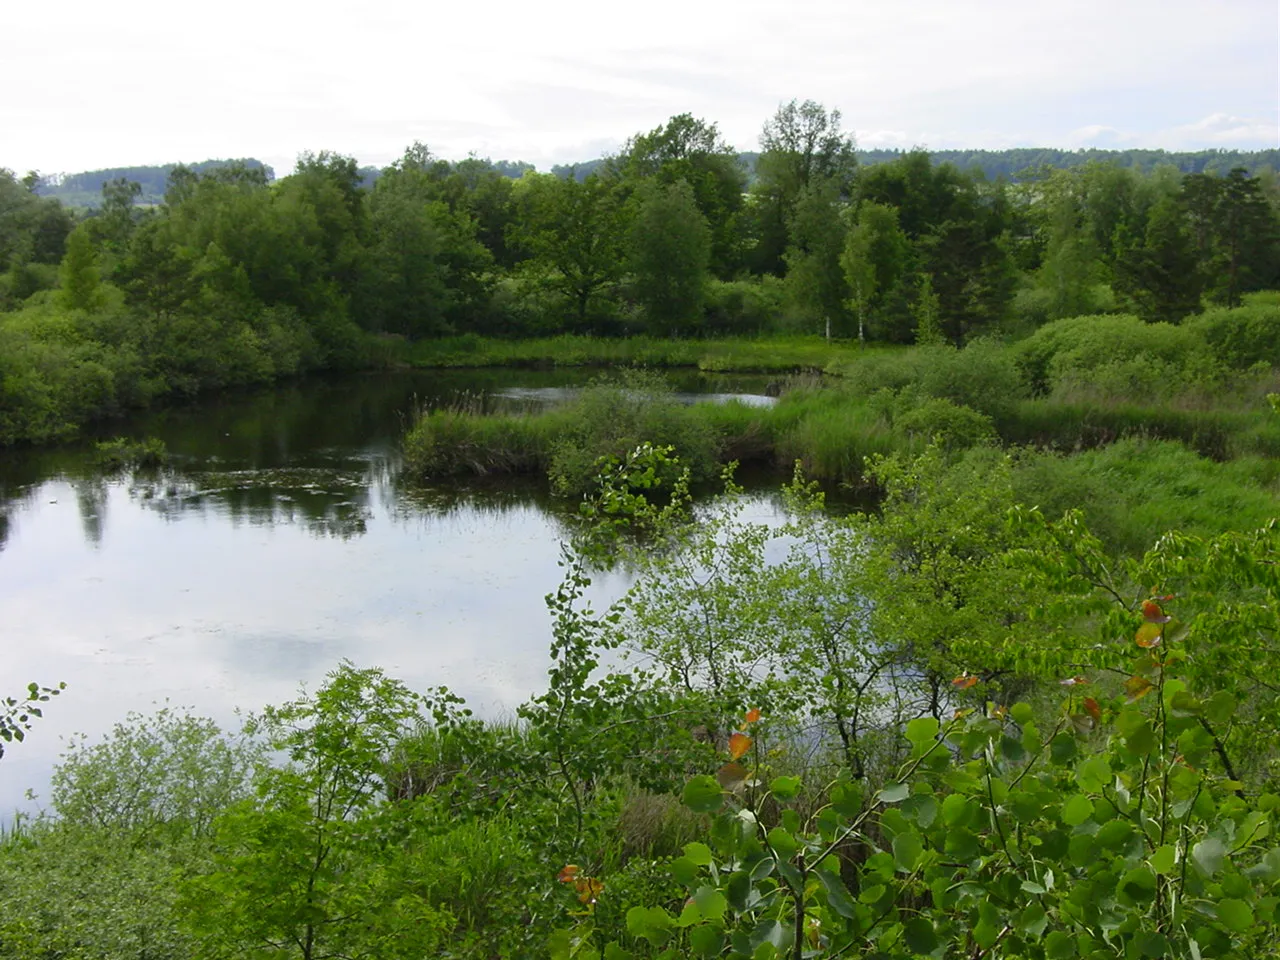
x,y
953,728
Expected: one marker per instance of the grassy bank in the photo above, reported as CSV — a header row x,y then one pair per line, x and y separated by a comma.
x,y
781,355
1158,404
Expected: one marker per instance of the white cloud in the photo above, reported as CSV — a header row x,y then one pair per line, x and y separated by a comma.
x,y
147,81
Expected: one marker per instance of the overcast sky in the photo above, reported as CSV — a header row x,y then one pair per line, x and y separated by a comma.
x,y
152,81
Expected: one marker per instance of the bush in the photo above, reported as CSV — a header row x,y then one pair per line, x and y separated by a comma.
x,y
956,426
1244,336
612,416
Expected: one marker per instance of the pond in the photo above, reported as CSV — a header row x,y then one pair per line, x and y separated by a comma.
x,y
280,540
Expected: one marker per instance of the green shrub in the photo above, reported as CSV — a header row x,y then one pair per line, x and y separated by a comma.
x,y
1244,336
954,425
612,416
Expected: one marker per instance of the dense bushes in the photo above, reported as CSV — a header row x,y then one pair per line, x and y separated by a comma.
x,y
955,725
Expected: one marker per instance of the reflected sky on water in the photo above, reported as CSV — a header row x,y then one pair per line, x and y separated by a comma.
x,y
280,541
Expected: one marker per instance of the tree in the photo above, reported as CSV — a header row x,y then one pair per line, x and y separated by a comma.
x,y
81,286
574,233
815,282
692,151
874,259
670,253
424,270
1163,278
802,144
302,868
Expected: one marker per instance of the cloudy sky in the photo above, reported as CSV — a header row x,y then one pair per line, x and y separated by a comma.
x,y
151,81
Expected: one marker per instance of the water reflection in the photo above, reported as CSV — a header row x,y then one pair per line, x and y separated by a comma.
x,y
279,540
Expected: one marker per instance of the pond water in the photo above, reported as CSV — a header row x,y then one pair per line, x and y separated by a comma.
x,y
281,540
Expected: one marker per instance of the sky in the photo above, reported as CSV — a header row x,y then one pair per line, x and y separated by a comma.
x,y
145,81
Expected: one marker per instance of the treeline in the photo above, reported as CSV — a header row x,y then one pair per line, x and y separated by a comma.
x,y
234,278
1017,163
85,189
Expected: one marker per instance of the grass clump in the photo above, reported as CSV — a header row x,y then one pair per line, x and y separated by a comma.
x,y
122,453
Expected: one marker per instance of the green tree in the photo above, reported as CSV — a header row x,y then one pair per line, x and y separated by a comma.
x,y
1163,278
79,277
874,260
670,254
574,232
304,868
692,151
816,283
801,145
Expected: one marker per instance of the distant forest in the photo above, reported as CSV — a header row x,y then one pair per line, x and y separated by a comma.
x,y
1021,162
85,189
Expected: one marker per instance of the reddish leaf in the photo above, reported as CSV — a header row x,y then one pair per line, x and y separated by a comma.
x,y
1152,613
739,744
1149,634
753,715
588,889
569,874
1091,707
1137,688
964,681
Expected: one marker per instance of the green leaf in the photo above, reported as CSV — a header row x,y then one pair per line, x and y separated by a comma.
x,y
785,788
920,935
711,902
651,923
1077,810
1208,855
922,730
684,871
705,941
1033,920
838,898
783,842
907,849
893,793
956,810
614,952
1164,859
1059,946
702,794
1235,915
699,853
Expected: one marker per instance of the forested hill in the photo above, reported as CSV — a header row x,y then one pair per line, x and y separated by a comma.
x,y
85,189
1014,162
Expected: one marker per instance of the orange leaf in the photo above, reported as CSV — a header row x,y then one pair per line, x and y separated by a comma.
x,y
569,874
753,715
964,681
588,889
1137,688
1152,613
739,744
1149,634
1091,707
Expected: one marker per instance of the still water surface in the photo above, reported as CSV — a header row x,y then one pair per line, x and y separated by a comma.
x,y
281,540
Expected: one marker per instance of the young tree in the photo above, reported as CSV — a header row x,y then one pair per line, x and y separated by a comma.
x,y
815,281
874,259
670,253
80,281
